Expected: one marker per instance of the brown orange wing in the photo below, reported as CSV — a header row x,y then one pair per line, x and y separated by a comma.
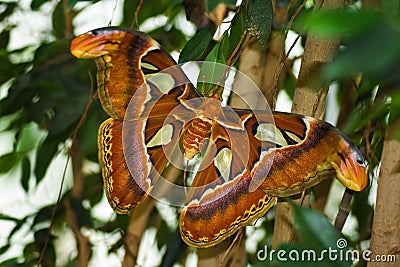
x,y
248,160
248,165
130,142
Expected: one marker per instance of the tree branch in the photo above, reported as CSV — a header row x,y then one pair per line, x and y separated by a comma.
x,y
385,227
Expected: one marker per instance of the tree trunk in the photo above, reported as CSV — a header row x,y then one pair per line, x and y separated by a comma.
x,y
252,64
385,239
309,99
137,225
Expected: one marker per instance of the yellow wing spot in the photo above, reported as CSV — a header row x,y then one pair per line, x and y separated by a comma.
x,y
105,146
163,81
293,137
223,162
162,137
107,58
148,66
269,133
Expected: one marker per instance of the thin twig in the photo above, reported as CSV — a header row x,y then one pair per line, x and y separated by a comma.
x,y
236,240
284,58
137,10
344,210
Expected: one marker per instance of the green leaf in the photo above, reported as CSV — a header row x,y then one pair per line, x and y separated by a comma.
x,y
4,38
163,234
44,156
8,161
394,107
4,248
93,186
313,229
58,20
36,4
237,30
391,8
43,215
28,137
17,227
363,54
363,211
290,86
8,218
25,173
339,23
40,239
148,9
87,134
213,70
8,10
362,115
259,19
83,215
18,96
197,45
172,39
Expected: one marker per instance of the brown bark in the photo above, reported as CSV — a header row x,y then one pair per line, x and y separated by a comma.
x,y
309,99
273,60
348,99
252,63
260,65
348,102
385,239
374,4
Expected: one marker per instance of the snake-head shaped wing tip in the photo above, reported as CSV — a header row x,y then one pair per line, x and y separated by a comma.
x,y
350,167
99,42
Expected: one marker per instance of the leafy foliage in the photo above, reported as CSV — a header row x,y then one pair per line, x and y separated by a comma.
x,y
259,19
